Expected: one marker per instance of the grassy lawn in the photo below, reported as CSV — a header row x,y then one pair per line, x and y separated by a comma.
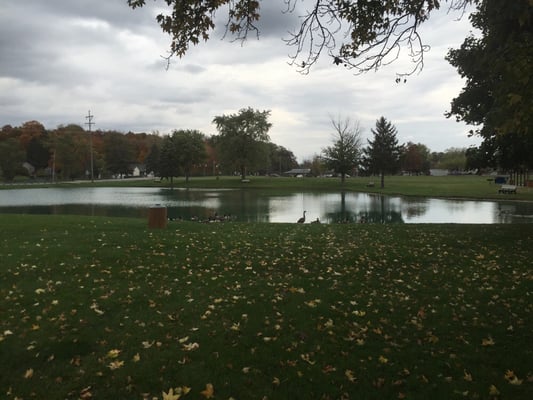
x,y
469,186
105,308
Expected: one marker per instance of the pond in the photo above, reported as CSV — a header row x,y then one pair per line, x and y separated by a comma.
x,y
261,206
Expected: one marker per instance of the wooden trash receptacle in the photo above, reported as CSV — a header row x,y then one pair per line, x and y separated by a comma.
x,y
157,217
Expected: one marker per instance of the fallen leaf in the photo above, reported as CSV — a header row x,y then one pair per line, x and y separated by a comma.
x,y
209,391
113,353
28,374
467,376
487,342
170,395
493,391
86,393
307,359
191,346
116,364
349,374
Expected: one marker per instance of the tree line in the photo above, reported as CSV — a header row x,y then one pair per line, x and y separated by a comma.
x,y
241,147
382,155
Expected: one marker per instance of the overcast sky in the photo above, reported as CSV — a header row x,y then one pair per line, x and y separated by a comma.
x,y
61,58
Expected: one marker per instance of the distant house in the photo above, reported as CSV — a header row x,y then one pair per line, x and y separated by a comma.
x,y
138,169
438,172
30,168
298,172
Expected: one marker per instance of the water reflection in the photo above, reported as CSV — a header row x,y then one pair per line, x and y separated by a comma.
x,y
261,206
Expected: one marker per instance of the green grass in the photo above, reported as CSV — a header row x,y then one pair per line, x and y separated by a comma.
x,y
469,186
277,311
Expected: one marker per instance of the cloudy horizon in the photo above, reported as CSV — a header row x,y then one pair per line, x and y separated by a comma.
x,y
61,59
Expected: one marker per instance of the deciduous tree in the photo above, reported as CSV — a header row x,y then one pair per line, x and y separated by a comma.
x,y
374,31
119,154
415,158
11,158
343,155
242,137
169,166
190,148
280,159
453,159
496,65
152,159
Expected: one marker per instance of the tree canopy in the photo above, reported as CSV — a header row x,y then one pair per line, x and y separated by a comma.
x,y
361,35
497,97
343,155
190,148
498,93
242,137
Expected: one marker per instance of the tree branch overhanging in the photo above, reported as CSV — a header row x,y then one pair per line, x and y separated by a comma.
x,y
361,35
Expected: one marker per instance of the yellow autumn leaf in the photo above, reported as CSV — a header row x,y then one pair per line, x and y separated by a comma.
x,y
113,353
85,393
383,360
209,391
170,395
116,364
509,374
493,391
137,357
190,346
467,376
307,359
488,341
276,381
349,374
512,378
28,374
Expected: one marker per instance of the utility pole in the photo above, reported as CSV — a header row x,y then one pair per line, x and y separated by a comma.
x,y
90,123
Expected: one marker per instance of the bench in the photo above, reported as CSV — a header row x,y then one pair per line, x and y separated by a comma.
x,y
507,189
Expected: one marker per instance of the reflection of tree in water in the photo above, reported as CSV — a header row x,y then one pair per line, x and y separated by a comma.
x,y
204,205
378,217
379,211
341,214
415,208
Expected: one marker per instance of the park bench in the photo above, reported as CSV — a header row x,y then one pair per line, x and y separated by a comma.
x,y
507,189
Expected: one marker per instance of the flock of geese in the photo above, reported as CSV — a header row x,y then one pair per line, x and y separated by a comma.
x,y
302,220
218,218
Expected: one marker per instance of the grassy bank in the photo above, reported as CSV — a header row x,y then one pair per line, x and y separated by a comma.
x,y
469,186
106,308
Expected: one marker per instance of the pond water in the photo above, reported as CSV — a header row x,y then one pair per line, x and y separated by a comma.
x,y
260,206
